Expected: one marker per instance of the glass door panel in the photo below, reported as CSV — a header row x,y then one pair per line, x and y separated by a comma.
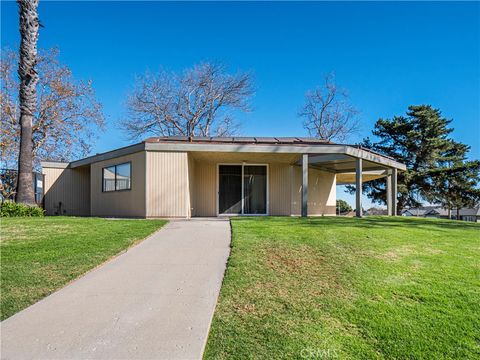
x,y
230,189
255,189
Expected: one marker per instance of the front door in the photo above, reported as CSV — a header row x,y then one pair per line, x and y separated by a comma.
x,y
242,189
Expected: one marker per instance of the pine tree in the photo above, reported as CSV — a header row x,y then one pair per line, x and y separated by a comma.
x,y
455,182
437,169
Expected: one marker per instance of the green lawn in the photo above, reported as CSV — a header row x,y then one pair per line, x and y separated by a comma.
x,y
40,255
346,288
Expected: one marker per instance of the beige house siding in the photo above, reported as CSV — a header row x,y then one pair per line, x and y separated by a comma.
x,y
321,192
285,184
205,188
191,184
181,184
168,189
280,194
126,203
71,187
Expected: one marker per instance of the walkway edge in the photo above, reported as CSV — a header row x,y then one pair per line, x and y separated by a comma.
x,y
96,267
219,291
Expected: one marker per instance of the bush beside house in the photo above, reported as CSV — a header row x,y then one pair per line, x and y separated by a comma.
x,y
12,209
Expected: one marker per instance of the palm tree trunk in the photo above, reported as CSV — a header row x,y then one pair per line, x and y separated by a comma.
x,y
29,25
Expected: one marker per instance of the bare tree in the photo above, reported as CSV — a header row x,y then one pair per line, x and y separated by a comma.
x,y
29,25
327,112
66,120
197,102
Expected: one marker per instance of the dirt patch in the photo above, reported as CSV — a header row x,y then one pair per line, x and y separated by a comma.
x,y
293,259
301,271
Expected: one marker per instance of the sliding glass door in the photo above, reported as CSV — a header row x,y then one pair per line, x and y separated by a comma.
x,y
230,189
242,189
255,189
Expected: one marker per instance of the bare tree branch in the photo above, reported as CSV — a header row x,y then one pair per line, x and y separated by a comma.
x,y
196,102
66,120
327,112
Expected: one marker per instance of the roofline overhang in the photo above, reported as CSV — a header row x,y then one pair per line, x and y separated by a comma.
x,y
246,148
54,164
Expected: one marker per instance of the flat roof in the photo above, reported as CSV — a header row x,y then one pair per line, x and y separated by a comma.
x,y
238,140
295,145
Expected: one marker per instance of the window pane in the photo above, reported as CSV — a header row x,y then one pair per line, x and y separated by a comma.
x,y
123,176
255,189
109,178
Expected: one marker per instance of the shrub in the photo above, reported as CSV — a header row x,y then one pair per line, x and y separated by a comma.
x,y
10,208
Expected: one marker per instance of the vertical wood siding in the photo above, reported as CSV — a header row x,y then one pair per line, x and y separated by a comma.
x,y
204,189
168,184
126,203
285,184
71,187
175,184
191,184
280,192
321,192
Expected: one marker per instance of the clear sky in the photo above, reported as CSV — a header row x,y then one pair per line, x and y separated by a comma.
x,y
388,55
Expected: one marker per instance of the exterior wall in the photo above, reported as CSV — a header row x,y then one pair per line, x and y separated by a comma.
x,y
321,192
191,184
168,188
280,176
70,187
180,184
125,203
205,188
285,183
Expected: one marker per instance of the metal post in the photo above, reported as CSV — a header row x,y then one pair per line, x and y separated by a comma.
x,y
304,185
388,191
358,188
394,192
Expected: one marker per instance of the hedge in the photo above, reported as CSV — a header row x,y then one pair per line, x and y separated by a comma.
x,y
10,209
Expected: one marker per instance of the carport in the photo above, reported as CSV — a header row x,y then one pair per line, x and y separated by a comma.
x,y
354,165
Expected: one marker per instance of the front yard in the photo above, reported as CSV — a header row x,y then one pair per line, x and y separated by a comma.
x,y
372,288
40,255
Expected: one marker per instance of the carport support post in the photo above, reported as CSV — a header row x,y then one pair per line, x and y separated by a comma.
x,y
388,192
304,185
394,192
358,187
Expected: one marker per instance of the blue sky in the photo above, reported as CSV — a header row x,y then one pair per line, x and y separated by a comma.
x,y
388,55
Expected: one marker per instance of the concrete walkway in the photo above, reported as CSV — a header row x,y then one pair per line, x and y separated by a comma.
x,y
155,301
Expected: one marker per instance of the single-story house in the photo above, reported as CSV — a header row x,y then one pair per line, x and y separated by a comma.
x,y
438,212
470,214
214,176
422,211
465,214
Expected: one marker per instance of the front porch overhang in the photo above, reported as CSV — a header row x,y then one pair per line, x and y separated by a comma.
x,y
354,166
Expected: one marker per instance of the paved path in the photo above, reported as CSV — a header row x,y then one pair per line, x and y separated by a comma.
x,y
155,301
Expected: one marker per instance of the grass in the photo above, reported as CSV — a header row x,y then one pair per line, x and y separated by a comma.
x,y
40,255
346,288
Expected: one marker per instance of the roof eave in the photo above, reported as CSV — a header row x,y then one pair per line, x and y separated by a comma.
x,y
252,148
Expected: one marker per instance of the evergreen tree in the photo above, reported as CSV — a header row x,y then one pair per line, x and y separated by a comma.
x,y
455,184
437,169
343,207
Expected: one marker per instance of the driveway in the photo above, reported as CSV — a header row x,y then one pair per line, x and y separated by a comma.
x,y
155,301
